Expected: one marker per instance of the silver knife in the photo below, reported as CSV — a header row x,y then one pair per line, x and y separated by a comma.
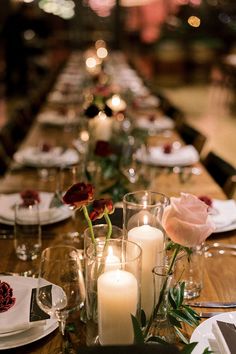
x,y
209,314
213,304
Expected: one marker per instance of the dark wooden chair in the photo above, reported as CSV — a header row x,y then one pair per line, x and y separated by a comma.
x,y
222,172
192,136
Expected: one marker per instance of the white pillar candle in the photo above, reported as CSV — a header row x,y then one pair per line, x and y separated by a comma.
x,y
117,300
151,240
101,127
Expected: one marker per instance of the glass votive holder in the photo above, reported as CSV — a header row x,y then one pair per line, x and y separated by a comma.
x,y
27,231
113,275
100,232
189,268
142,214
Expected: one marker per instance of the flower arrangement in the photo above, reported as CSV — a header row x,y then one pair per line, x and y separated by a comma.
x,y
6,296
187,224
80,196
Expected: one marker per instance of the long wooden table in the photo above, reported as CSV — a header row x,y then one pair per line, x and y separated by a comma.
x,y
219,274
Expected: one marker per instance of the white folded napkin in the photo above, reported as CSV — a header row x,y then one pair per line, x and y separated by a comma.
x,y
51,117
7,202
17,318
158,124
55,157
183,156
225,212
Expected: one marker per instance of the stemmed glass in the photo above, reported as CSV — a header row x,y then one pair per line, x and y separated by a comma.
x,y
60,268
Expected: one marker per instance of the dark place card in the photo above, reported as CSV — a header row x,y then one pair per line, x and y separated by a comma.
x,y
228,331
36,314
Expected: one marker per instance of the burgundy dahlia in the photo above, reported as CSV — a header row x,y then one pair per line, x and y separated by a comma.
x,y
30,197
102,148
6,296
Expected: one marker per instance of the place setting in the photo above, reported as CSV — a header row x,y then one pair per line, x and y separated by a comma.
x,y
154,123
21,321
46,155
168,155
49,211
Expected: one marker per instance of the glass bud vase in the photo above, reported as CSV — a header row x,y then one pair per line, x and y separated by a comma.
x,y
160,325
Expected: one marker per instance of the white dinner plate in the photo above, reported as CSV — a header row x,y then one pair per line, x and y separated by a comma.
x,y
32,334
157,125
47,215
203,333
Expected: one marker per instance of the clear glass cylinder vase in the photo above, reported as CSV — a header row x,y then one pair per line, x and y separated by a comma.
x,y
113,275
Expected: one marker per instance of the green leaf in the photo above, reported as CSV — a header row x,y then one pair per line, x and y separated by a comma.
x,y
182,287
192,315
138,334
189,348
181,316
173,320
171,298
143,318
156,339
207,351
181,336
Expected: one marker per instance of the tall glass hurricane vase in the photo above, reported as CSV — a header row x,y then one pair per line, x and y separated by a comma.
x,y
142,224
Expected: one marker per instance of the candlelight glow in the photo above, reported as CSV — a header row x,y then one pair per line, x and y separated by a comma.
x,y
194,21
102,52
91,62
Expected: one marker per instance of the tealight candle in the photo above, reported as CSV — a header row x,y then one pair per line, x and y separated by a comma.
x,y
151,240
116,103
117,300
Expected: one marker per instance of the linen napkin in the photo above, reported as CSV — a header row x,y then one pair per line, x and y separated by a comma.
x,y
18,318
54,157
158,124
183,156
225,212
7,202
225,335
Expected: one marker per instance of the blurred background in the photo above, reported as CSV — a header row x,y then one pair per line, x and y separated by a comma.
x,y
185,49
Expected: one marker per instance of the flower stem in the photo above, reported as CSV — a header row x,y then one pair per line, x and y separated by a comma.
x,y
85,211
162,292
109,225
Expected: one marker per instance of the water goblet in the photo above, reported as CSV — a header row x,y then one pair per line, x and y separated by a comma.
x,y
60,268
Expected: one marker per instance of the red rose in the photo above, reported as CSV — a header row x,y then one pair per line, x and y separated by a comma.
x,y
30,197
167,148
103,148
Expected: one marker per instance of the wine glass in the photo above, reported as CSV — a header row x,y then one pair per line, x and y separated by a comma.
x,y
60,268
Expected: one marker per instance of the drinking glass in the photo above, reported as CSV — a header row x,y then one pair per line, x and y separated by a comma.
x,y
60,266
142,212
27,231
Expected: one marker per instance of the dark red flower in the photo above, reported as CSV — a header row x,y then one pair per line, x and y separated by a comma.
x,y
167,148
46,147
100,207
207,200
79,194
91,111
102,148
30,197
6,296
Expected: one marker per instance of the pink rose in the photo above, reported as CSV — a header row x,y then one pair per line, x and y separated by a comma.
x,y
186,220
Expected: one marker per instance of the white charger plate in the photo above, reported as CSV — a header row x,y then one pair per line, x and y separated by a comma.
x,y
33,334
62,212
203,333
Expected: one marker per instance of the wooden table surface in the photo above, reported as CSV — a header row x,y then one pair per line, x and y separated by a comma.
x,y
219,271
